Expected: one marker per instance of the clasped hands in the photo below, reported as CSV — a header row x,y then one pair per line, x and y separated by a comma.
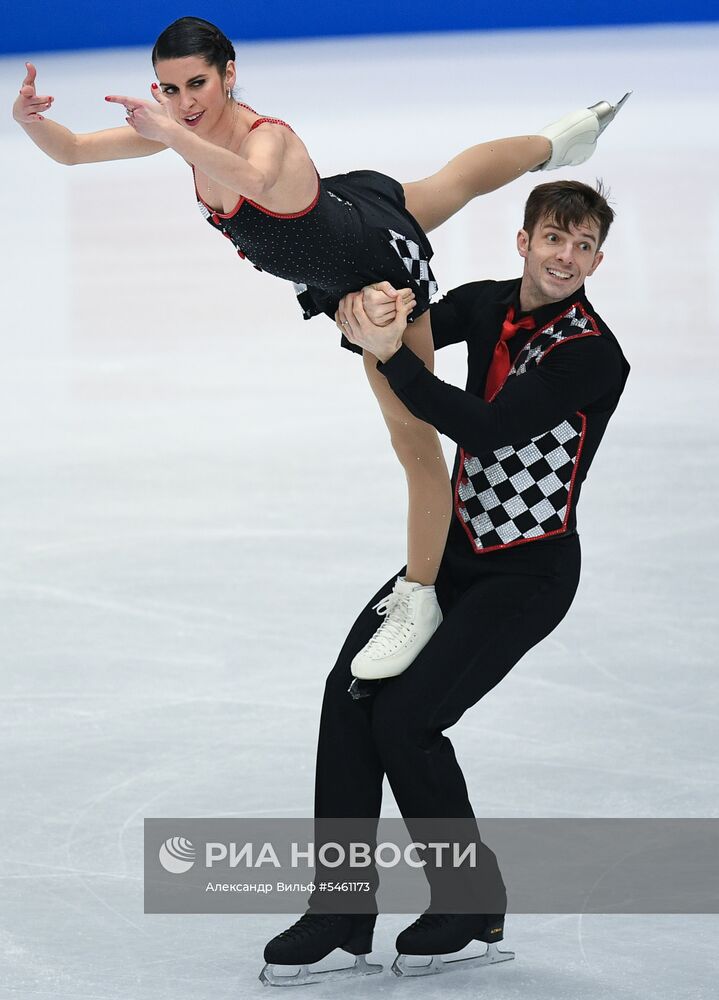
x,y
375,318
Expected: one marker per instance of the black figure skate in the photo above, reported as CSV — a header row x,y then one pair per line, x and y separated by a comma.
x,y
310,940
439,934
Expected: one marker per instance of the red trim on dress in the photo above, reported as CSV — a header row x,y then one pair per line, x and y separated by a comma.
x,y
275,215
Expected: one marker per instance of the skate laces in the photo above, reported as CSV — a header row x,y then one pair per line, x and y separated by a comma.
x,y
308,924
428,921
395,610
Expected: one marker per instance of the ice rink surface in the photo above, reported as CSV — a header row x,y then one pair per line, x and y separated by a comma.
x,y
198,495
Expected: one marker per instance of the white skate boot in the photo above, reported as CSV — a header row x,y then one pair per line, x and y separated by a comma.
x,y
574,137
412,616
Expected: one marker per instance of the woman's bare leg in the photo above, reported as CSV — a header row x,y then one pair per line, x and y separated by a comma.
x,y
476,171
417,446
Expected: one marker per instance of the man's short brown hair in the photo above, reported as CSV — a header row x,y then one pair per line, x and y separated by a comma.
x,y
568,203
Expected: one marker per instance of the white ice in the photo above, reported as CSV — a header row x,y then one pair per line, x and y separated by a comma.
x,y
198,495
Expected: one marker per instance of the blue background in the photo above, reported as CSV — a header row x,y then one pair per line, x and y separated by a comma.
x,y
75,24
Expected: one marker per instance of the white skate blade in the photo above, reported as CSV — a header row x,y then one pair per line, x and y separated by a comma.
x,y
437,964
305,976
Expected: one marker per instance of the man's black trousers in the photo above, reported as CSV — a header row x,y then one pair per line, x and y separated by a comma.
x,y
496,607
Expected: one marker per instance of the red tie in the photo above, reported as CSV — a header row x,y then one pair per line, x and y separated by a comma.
x,y
500,365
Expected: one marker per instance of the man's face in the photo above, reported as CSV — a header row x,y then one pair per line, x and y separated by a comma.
x,y
556,261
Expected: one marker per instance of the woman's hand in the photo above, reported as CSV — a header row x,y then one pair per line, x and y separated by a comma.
x,y
358,328
380,301
28,105
150,120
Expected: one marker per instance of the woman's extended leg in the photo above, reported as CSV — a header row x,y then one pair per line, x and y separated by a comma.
x,y
418,449
478,170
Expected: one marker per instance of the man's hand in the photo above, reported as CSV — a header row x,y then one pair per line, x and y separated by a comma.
x,y
358,328
380,301
152,121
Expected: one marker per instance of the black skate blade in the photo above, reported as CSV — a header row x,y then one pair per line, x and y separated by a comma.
x,y
306,976
438,964
362,689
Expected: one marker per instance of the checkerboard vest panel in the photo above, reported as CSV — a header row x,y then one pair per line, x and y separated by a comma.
x,y
523,492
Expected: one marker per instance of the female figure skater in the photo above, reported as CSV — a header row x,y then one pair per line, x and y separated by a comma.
x,y
255,183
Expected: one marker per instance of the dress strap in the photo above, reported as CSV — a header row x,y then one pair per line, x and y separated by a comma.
x,y
262,119
273,121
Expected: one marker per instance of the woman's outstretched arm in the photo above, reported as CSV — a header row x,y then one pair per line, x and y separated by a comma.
x,y
251,175
67,147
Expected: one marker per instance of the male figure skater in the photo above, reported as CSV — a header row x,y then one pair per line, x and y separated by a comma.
x,y
545,374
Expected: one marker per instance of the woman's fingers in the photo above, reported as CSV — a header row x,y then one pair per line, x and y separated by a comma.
x,y
404,308
28,105
384,286
30,75
390,291
131,103
158,95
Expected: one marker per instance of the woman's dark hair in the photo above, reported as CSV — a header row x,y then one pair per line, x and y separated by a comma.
x,y
192,36
568,203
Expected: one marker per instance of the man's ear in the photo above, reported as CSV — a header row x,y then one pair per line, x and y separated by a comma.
x,y
523,242
598,258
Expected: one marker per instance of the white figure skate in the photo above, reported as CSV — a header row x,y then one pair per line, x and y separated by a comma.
x,y
412,616
574,137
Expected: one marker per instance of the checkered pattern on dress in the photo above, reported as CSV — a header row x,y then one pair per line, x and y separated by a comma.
x,y
520,493
411,256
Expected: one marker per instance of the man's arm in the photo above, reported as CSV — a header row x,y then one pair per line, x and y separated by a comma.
x,y
570,378
452,316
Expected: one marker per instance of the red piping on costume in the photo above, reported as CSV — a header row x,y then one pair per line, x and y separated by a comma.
x,y
289,215
535,538
574,305
582,436
275,215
